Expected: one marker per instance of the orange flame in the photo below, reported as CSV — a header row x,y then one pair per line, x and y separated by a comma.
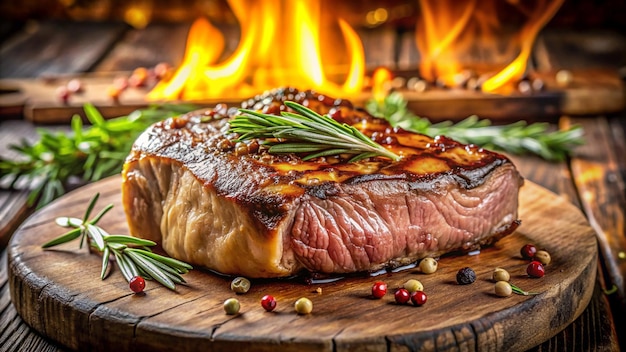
x,y
280,45
457,35
381,83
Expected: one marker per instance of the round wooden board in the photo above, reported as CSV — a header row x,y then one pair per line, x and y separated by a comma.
x,y
58,292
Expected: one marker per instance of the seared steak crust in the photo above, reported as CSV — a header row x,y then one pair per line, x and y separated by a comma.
x,y
236,209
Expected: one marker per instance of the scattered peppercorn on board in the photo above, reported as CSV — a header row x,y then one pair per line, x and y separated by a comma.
x,y
59,293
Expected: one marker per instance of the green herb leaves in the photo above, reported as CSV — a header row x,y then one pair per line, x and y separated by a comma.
x,y
131,254
306,131
517,138
519,291
88,153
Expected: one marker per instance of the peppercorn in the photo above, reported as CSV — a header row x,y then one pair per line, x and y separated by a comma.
x,y
465,276
500,274
268,303
137,284
303,306
418,298
543,257
528,251
413,285
535,269
231,306
503,289
63,94
428,265
379,289
240,285
402,296
75,85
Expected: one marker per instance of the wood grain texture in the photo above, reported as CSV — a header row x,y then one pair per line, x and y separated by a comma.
x,y
57,47
561,48
13,207
41,104
591,93
158,42
598,169
592,330
15,335
106,315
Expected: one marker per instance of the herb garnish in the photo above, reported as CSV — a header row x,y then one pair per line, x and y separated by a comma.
x,y
517,138
87,153
132,254
305,131
519,291
99,150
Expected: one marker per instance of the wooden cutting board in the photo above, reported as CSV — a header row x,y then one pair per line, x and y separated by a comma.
x,y
58,292
591,92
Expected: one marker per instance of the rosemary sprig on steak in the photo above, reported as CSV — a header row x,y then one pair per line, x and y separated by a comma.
x,y
306,131
132,255
517,138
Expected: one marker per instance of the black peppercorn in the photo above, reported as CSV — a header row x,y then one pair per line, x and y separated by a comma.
x,y
465,276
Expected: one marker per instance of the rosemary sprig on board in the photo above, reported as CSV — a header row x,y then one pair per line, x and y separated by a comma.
x,y
521,292
517,138
306,131
132,255
87,153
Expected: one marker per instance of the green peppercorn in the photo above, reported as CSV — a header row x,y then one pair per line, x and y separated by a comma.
x,y
413,285
240,285
303,306
503,289
231,306
428,265
500,274
543,257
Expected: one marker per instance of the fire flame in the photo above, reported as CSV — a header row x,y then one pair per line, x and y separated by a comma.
x,y
289,43
450,33
281,44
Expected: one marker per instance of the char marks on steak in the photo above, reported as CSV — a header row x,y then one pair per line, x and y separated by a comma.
x,y
234,208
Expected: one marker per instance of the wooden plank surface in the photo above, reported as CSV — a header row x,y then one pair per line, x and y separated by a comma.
x,y
57,47
591,92
343,314
590,332
159,42
597,170
13,207
580,49
41,104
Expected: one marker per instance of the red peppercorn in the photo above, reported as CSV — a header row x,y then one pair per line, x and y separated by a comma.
x,y
379,289
63,94
268,303
418,298
402,296
528,251
137,284
535,269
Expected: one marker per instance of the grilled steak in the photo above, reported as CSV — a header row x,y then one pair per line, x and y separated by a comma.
x,y
234,208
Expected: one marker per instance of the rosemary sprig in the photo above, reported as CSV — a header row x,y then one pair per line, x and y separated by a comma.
x,y
519,291
306,131
86,153
133,255
517,138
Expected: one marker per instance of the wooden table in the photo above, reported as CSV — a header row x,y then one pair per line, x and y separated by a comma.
x,y
594,178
